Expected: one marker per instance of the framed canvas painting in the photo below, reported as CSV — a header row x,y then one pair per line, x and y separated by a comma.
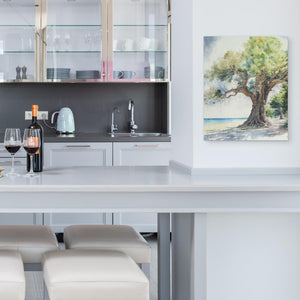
x,y
245,88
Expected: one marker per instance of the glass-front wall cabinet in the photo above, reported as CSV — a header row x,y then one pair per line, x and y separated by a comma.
x,y
84,40
17,40
140,40
73,40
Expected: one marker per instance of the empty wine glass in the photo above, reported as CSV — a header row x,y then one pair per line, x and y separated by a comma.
x,y
12,143
31,144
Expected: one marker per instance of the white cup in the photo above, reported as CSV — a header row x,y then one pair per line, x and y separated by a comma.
x,y
115,45
128,45
153,44
143,44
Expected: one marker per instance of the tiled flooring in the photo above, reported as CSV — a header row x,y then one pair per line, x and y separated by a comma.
x,y
34,281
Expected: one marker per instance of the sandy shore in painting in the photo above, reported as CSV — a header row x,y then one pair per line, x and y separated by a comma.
x,y
230,132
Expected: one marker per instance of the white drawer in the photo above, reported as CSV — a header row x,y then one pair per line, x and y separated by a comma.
x,y
141,154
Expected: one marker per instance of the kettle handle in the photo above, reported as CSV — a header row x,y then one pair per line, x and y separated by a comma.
x,y
53,115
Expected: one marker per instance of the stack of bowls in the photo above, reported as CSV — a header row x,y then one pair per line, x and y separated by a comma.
x,y
88,74
58,73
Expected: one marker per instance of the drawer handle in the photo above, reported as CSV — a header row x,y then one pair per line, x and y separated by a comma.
x,y
78,146
146,146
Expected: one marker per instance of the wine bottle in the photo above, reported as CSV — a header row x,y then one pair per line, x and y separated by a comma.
x,y
38,158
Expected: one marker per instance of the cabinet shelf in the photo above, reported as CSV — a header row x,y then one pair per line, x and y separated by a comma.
x,y
72,25
72,52
26,25
19,52
145,25
142,51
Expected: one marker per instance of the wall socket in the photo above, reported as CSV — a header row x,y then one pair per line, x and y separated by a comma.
x,y
28,115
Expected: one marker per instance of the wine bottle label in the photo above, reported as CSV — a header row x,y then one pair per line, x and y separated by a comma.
x,y
32,142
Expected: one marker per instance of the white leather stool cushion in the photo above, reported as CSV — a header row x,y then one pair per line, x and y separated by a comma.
x,y
12,278
31,241
111,237
93,275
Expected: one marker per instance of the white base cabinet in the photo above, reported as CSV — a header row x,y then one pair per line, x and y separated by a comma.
x,y
76,155
59,222
142,222
16,219
140,154
92,154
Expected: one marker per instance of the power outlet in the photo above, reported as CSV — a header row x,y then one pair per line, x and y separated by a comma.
x,y
28,115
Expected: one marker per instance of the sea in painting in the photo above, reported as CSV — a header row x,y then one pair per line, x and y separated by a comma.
x,y
245,88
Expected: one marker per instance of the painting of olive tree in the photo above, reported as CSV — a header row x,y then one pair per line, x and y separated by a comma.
x,y
245,88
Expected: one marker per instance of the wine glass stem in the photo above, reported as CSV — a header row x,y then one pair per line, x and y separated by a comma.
x,y
31,165
12,163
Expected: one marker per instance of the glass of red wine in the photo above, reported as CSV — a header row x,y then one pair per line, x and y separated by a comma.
x,y
12,143
31,144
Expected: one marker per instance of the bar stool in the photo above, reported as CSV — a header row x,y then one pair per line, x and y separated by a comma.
x,y
110,237
93,275
32,241
12,278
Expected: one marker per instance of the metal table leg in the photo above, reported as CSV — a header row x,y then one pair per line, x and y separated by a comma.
x,y
164,278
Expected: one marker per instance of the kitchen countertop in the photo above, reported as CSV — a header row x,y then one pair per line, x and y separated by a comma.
x,y
98,138
147,189
152,179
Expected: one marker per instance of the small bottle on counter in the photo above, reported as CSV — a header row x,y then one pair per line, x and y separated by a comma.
x,y
38,158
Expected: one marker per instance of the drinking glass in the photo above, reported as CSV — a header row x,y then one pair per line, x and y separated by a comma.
x,y
31,144
12,143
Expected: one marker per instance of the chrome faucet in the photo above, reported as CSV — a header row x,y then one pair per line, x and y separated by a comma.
x,y
132,126
114,127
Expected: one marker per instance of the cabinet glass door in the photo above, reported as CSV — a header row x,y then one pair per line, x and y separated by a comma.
x,y
73,36
17,40
139,40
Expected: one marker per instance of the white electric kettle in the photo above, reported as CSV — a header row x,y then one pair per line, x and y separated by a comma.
x,y
65,121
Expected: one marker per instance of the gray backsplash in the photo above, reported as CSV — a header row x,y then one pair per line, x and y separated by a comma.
x,y
91,104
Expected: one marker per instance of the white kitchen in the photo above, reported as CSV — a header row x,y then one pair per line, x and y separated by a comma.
x,y
146,150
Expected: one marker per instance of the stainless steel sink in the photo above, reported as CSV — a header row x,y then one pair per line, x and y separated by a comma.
x,y
137,134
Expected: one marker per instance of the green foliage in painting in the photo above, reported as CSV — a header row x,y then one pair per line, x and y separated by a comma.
x,y
254,72
279,102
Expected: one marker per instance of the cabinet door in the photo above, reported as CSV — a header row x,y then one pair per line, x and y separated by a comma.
x,y
20,162
140,154
73,155
17,40
58,222
139,40
77,154
73,40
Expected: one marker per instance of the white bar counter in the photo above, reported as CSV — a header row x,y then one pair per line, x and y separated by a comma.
x,y
147,189
162,190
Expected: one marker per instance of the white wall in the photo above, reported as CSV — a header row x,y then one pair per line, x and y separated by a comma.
x,y
182,79
231,17
250,257
253,257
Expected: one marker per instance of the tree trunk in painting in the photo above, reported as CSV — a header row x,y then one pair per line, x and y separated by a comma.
x,y
257,117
